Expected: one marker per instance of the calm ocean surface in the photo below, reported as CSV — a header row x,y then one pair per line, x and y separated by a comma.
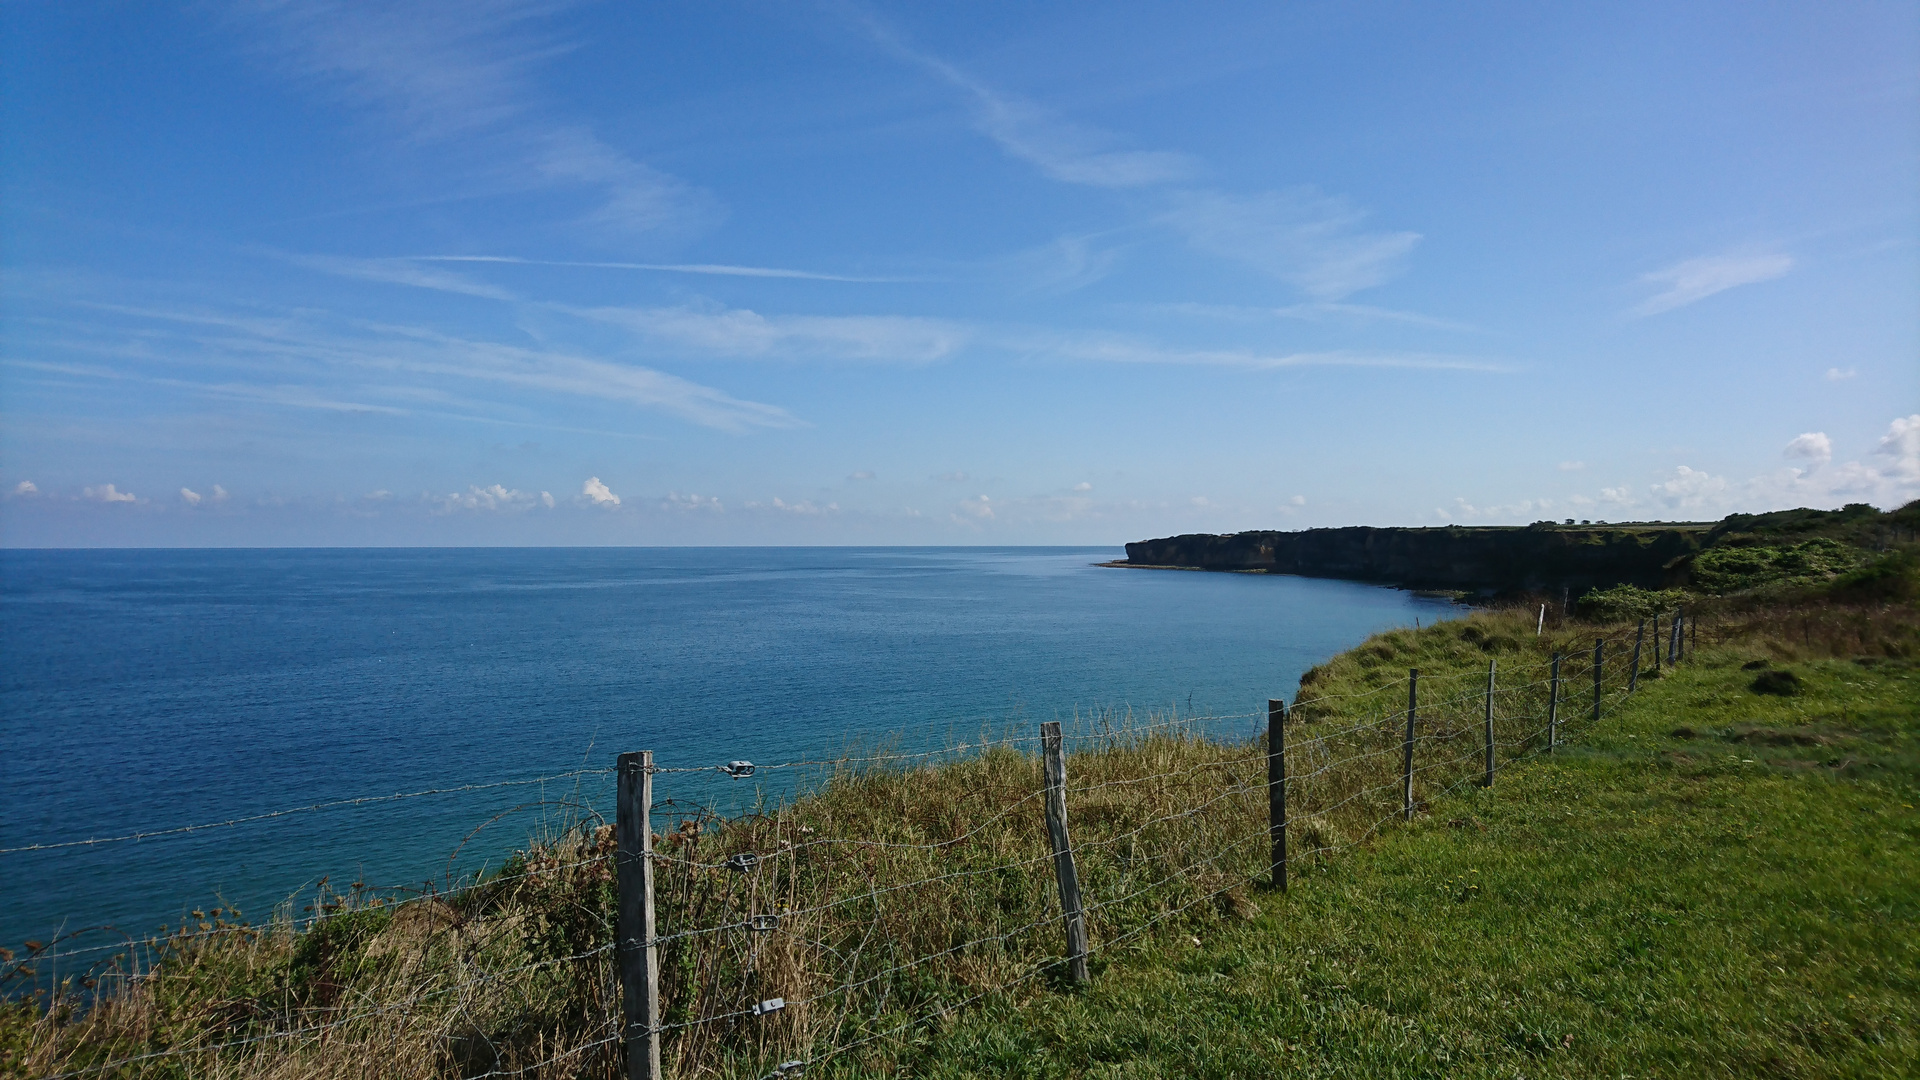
x,y
145,690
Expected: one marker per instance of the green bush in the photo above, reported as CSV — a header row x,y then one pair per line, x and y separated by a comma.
x,y
1624,603
1721,570
1894,576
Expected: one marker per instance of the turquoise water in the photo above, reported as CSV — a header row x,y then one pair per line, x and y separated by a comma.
x,y
147,690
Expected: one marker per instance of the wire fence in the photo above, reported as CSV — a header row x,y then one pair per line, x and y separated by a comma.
x,y
896,889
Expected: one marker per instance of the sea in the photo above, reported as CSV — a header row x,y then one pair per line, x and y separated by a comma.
x,y
147,692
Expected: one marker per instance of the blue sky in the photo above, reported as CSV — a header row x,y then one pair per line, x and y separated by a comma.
x,y
628,273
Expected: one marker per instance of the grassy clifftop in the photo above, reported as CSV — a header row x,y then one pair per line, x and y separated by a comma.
x,y
1717,882
1733,555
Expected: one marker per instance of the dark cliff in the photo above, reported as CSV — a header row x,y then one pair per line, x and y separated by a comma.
x,y
1485,559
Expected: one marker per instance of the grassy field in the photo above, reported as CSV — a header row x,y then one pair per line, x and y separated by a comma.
x,y
1717,881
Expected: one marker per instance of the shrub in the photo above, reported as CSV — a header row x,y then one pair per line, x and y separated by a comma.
x,y
1625,603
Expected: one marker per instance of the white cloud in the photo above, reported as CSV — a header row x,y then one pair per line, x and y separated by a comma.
x,y
1123,351
978,507
677,501
1890,478
409,363
1902,440
546,499
1311,240
1083,486
1697,279
219,494
1060,150
714,269
1813,446
459,77
741,333
190,496
107,493
863,474
1311,312
26,487
597,493
1690,489
1197,500
806,507
1298,500
1835,374
1572,466
401,272
381,495
1065,264
494,497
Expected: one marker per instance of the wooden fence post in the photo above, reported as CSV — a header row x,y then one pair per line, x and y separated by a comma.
x,y
1488,782
1598,645
1277,788
1633,675
1071,911
639,960
1673,640
1553,705
1406,768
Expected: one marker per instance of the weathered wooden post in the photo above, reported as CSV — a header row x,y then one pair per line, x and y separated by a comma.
x,y
1598,645
1488,782
1553,705
1071,910
1633,674
1673,640
639,960
1406,768
1277,788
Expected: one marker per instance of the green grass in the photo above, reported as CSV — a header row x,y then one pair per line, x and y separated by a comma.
x,y
1715,882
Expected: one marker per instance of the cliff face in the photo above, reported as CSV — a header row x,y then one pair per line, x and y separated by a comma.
x,y
1488,559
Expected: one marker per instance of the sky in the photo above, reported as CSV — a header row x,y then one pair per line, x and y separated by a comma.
x,y
295,273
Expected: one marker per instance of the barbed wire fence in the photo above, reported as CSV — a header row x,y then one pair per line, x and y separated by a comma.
x,y
895,889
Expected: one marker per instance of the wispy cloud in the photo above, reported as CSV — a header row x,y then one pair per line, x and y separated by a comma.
x,y
1314,312
717,269
1061,150
1066,263
401,272
1309,239
1127,352
1696,279
1313,241
309,359
459,76
739,332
